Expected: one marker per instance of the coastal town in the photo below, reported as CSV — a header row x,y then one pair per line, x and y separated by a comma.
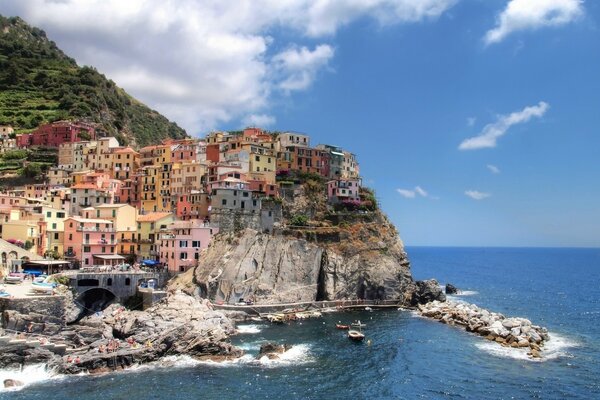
x,y
103,205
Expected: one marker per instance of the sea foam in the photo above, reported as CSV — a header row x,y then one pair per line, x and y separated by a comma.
x,y
554,348
248,329
29,375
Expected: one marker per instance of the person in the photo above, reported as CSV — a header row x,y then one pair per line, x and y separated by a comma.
x,y
101,349
30,327
77,360
69,359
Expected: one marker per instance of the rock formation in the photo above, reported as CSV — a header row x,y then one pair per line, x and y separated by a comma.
x,y
362,260
272,350
427,291
118,338
451,289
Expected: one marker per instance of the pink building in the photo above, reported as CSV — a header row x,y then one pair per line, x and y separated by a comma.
x,y
56,133
91,242
181,244
343,189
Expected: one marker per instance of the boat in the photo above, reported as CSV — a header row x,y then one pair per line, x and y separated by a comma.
x,y
43,287
358,324
343,327
14,278
355,335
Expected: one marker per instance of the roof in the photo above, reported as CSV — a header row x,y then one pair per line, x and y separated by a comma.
x,y
126,150
152,217
117,205
91,220
84,186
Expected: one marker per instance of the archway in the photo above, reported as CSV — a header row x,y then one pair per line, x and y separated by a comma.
x,y
94,300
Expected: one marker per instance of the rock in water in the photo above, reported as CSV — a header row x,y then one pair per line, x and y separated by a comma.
x,y
451,289
427,291
272,350
9,383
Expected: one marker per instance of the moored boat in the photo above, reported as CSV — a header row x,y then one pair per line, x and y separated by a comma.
x,y
342,326
355,335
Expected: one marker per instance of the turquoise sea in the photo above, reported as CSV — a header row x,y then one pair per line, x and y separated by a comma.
x,y
409,357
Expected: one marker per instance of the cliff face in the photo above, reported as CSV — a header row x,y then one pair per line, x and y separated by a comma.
x,y
363,259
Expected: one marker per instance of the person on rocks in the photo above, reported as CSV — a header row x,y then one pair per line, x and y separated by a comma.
x,y
77,360
30,327
101,349
69,359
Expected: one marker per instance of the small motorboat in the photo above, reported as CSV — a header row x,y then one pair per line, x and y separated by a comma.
x,y
14,278
342,326
358,324
356,335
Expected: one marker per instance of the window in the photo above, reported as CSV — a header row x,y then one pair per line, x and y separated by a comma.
x,y
109,282
86,249
183,243
56,236
114,213
182,256
49,214
103,249
224,202
127,281
195,243
53,225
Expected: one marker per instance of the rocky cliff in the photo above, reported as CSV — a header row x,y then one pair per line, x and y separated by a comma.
x,y
359,256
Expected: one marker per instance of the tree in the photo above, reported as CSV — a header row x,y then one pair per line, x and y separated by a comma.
x,y
32,170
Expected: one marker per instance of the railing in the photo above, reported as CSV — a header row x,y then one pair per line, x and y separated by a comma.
x,y
94,229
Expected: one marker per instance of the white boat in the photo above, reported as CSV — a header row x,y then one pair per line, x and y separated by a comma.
x,y
355,335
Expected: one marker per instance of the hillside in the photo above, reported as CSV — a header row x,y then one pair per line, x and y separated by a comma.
x,y
39,83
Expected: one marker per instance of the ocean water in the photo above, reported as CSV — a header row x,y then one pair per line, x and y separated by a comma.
x,y
409,357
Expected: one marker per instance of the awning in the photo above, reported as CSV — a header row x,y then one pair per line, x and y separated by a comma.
x,y
44,263
108,256
150,262
36,272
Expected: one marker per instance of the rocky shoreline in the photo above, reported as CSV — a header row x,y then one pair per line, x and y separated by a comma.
x,y
118,338
506,331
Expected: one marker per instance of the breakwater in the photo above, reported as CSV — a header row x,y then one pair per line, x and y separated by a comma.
x,y
506,331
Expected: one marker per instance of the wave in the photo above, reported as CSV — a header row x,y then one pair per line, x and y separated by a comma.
x,y
298,354
554,348
29,375
248,329
466,293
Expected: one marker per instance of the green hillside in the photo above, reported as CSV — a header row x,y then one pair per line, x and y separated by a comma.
x,y
39,83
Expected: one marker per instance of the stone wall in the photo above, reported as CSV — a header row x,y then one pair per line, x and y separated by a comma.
x,y
51,308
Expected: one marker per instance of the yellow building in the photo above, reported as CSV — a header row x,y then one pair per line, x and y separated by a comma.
x,y
123,217
149,183
148,229
55,229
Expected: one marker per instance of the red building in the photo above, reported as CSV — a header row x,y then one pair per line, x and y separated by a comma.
x,y
56,133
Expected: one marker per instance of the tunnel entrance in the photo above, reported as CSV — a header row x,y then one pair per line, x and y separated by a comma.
x,y
94,300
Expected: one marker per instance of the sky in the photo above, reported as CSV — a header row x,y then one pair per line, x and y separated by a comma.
x,y
477,122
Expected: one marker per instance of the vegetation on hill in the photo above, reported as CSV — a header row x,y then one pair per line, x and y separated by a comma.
x,y
23,166
39,83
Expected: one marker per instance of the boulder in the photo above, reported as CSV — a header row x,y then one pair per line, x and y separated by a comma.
x,y
9,383
427,291
272,350
451,289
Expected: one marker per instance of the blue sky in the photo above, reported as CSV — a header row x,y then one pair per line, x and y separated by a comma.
x,y
400,84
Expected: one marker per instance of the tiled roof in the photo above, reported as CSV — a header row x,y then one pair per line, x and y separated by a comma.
x,y
153,217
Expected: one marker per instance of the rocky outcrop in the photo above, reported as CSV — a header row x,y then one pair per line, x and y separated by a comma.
x,y
118,338
451,289
361,261
513,332
272,350
427,291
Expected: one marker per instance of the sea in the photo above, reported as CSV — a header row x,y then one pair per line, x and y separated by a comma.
x,y
406,356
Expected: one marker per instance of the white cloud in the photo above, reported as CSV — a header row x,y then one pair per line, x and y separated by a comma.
x,y
493,169
412,193
420,191
300,66
259,120
522,15
491,132
204,62
409,194
476,195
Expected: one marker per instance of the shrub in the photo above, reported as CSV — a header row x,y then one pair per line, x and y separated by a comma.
x,y
299,220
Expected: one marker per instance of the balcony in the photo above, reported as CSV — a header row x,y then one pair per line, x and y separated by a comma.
x,y
70,254
94,229
146,241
